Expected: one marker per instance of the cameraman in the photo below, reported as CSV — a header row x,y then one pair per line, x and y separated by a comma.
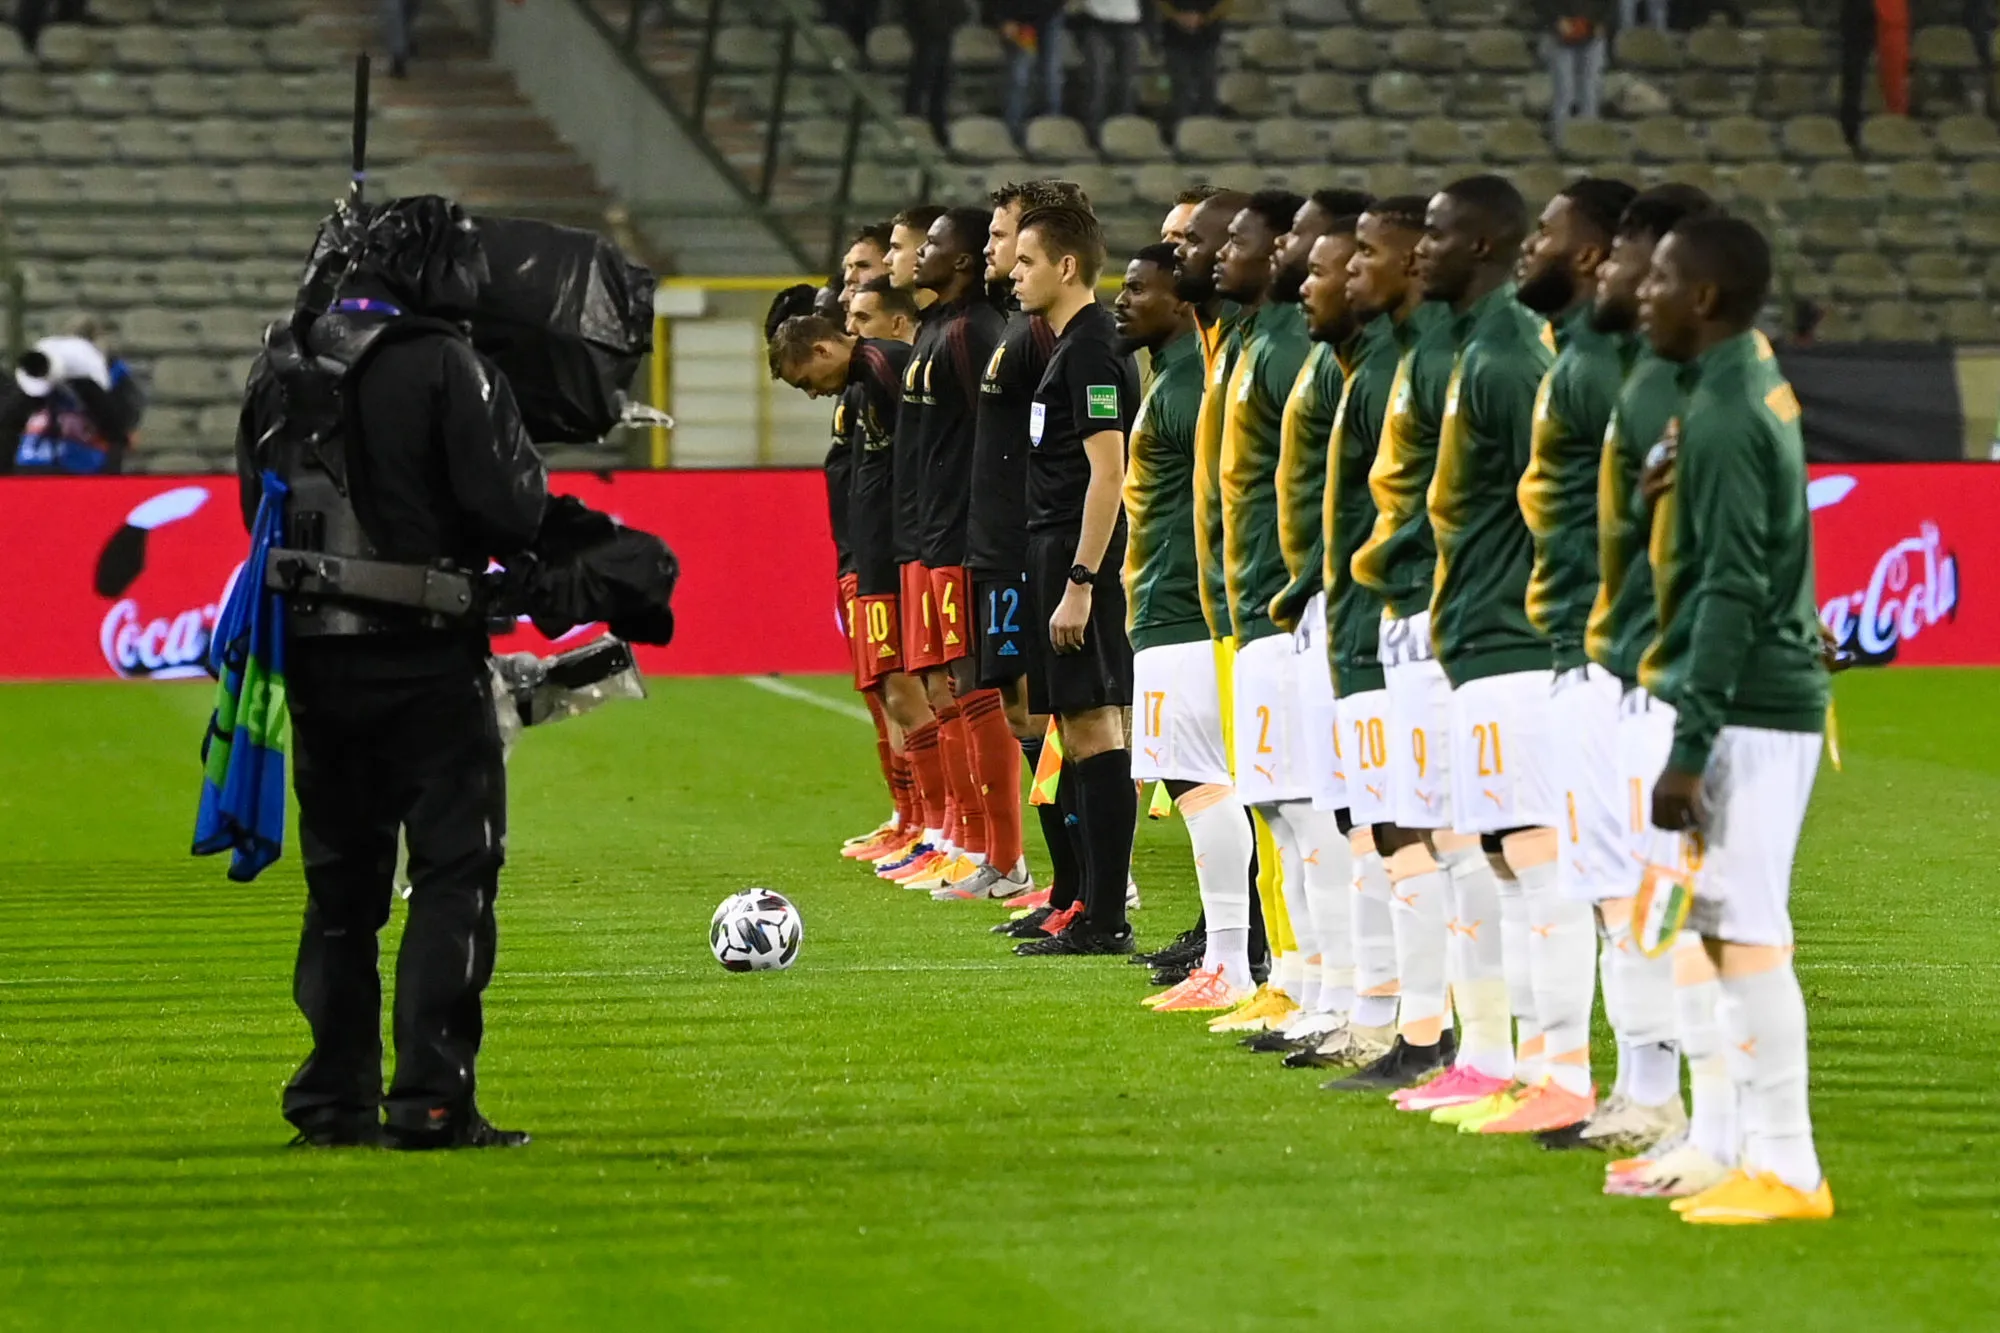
x,y
72,407
392,710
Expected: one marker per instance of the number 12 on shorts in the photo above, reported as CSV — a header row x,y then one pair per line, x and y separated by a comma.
x,y
997,620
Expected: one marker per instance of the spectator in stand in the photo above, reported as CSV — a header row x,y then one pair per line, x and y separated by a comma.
x,y
1033,31
1573,47
1110,58
73,407
856,18
399,23
1883,27
927,87
1190,41
31,16
1655,12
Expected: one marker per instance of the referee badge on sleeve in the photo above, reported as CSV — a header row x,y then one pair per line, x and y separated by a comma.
x,y
1103,402
1037,414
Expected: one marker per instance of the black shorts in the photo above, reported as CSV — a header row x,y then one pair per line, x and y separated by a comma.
x,y
1098,675
1000,603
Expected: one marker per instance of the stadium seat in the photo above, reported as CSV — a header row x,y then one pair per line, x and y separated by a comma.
x,y
108,97
37,185
1325,96
1131,139
875,186
1798,48
1253,13
1245,94
1477,97
1592,142
1318,13
1159,181
223,50
31,94
66,47
1646,50
1498,51
1438,139
71,141
1921,184
1706,95
1969,322
1211,139
977,47
818,142
1406,96
1391,13
888,47
1782,94
1540,182
1393,178
981,139
1841,185
1357,139
1814,139
1108,190
1946,48
1424,50
1665,139
1968,138
284,53
1859,275
1057,139
1350,50
1283,141
146,50
1896,321
1272,49
185,95
1740,139
1758,188
1979,233
1894,138
1719,46
1940,275
1690,172
1515,140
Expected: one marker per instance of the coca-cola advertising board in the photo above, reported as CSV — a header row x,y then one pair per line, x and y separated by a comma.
x,y
123,576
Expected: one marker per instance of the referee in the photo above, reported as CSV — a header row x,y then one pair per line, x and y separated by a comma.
x,y
1081,669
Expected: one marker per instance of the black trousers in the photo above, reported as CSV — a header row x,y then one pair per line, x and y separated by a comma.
x,y
383,742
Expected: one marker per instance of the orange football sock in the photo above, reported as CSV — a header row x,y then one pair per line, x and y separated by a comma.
x,y
884,752
955,743
927,765
996,757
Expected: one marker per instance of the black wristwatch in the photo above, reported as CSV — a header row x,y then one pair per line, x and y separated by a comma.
x,y
1083,574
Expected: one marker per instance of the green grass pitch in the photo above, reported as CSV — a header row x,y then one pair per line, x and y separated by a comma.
x,y
911,1129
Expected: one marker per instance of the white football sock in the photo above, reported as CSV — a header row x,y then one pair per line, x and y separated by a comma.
x,y
1639,1003
1418,919
1562,955
1764,1022
1301,983
1328,863
1479,982
1223,846
1516,967
1715,1126
1229,949
1374,944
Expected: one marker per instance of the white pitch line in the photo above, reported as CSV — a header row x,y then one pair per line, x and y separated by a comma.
x,y
784,689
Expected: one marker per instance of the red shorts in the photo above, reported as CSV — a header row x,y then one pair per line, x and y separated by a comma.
x,y
948,602
850,589
923,647
877,643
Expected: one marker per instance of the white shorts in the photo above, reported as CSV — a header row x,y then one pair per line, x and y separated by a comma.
x,y
1501,774
1364,743
1325,770
1270,731
1419,725
1645,736
1177,715
1583,742
1756,787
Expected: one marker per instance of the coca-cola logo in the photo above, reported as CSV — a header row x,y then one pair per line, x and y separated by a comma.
x,y
1913,587
140,641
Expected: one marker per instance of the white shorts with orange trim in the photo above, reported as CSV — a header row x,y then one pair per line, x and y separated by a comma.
x,y
1583,742
1177,715
1270,735
1419,725
1319,716
1645,737
1757,786
1364,741
1501,774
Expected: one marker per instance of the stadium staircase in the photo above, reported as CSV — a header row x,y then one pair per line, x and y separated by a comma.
x,y
164,168
1898,242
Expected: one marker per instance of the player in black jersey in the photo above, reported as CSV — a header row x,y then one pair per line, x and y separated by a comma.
x,y
880,309
811,353
1080,668
867,258
934,435
997,561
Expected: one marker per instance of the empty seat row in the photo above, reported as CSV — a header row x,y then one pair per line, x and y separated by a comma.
x,y
150,142
219,50
33,95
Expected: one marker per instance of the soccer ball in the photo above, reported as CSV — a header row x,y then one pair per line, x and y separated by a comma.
x,y
755,930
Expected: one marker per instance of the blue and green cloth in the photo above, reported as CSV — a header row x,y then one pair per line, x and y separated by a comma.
x,y
242,808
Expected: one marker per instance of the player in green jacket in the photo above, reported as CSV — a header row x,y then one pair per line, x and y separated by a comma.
x,y
1177,712
1737,655
1558,499
1501,802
